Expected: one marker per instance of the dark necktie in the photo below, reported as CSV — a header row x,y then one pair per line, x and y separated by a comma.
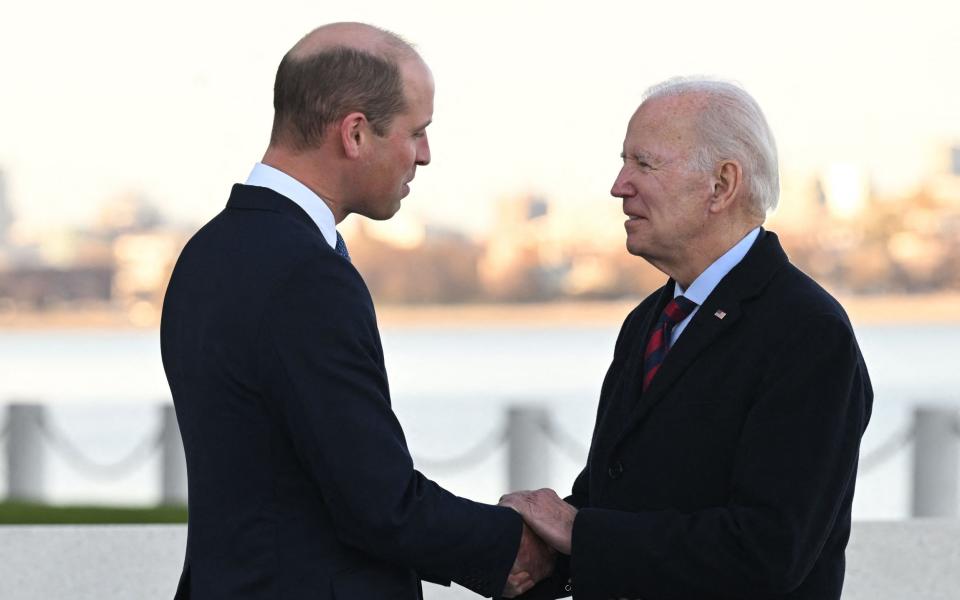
x,y
676,310
341,247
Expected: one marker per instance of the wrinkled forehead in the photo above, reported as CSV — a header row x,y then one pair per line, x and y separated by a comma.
x,y
666,126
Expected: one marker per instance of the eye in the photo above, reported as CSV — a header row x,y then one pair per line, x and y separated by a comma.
x,y
419,134
640,160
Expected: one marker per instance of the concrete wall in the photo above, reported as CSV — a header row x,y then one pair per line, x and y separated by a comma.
x,y
885,561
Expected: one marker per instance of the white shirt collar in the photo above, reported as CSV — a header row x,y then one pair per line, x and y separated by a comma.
x,y
704,284
274,179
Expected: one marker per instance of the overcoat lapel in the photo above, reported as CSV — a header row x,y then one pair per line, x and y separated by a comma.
x,y
744,281
627,388
634,389
702,331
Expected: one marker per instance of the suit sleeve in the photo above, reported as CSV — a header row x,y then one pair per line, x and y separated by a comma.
x,y
321,335
796,460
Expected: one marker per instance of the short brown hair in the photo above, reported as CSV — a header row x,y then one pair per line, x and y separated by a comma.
x,y
314,91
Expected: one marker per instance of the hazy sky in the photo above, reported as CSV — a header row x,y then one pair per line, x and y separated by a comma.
x,y
174,99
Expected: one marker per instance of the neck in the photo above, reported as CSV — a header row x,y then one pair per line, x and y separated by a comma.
x,y
302,166
700,256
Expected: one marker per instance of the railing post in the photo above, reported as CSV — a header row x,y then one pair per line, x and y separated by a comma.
x,y
528,456
935,462
173,469
25,452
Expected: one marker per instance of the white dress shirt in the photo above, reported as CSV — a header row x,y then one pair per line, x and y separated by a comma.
x,y
274,179
705,283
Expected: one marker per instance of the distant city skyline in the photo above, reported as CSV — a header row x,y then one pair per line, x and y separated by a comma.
x,y
106,98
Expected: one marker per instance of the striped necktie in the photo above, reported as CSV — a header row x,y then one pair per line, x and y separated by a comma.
x,y
341,247
676,311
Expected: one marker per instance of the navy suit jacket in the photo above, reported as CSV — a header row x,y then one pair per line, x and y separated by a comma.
x,y
732,476
300,481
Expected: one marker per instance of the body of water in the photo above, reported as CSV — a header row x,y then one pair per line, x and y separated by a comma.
x,y
450,389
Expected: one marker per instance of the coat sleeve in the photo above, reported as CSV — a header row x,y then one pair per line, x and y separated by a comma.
x,y
321,338
795,463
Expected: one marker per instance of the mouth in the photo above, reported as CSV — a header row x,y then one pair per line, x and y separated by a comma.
x,y
633,222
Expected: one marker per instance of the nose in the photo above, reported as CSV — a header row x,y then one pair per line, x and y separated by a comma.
x,y
622,188
423,151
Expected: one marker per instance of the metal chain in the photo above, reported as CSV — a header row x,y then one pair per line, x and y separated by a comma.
x,y
568,444
72,454
884,451
471,458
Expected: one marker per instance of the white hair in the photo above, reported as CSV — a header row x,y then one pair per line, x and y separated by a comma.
x,y
731,127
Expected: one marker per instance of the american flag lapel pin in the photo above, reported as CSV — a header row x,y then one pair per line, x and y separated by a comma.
x,y
720,314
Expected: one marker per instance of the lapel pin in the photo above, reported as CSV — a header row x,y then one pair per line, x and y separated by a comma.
x,y
720,314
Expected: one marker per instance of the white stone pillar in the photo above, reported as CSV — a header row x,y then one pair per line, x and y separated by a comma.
x,y
25,452
935,462
528,449
173,466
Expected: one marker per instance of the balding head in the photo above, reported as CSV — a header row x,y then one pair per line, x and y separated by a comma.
x,y
730,126
335,70
358,36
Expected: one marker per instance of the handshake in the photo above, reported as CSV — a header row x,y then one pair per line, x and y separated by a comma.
x,y
547,530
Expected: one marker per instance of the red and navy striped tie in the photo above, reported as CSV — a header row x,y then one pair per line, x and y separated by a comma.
x,y
676,310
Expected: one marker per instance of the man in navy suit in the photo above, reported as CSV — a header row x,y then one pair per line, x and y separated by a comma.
x,y
300,481
725,449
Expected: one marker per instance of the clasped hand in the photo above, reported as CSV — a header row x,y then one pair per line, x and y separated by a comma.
x,y
548,529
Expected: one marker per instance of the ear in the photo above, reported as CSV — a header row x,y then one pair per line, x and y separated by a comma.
x,y
727,184
353,133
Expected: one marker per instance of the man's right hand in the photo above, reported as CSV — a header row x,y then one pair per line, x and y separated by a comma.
x,y
535,561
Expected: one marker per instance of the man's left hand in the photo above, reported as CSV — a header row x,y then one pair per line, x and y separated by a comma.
x,y
547,514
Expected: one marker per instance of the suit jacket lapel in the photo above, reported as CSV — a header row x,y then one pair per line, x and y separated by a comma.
x,y
744,281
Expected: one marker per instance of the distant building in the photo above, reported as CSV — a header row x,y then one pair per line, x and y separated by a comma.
x,y
143,262
48,287
128,213
6,213
515,264
846,188
944,185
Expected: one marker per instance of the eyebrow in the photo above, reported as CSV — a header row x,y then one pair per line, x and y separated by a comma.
x,y
641,155
425,125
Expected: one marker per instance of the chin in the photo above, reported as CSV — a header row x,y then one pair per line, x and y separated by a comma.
x,y
635,247
387,213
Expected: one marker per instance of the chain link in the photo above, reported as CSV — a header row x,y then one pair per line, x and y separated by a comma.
x,y
75,457
887,449
567,444
470,458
